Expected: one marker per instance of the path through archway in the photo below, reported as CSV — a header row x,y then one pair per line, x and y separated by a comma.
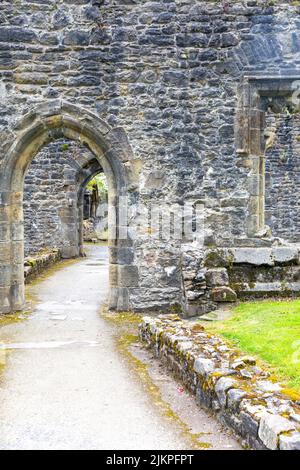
x,y
61,120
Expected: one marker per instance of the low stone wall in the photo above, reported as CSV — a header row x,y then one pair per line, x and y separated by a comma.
x,y
263,413
217,275
35,265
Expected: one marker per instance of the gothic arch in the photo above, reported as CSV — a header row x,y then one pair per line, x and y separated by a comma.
x,y
51,121
86,174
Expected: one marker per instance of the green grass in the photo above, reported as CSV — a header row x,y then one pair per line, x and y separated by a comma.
x,y
271,332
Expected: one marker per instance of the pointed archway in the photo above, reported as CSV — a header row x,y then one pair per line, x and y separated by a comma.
x,y
52,121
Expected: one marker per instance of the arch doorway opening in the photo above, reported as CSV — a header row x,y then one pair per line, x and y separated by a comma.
x,y
94,218
65,200
61,125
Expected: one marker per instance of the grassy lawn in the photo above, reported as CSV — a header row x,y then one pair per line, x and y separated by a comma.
x,y
271,332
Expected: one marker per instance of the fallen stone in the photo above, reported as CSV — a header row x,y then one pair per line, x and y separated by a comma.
x,y
239,364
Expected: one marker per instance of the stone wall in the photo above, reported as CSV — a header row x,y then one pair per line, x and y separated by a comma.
x,y
282,207
35,265
243,396
186,82
214,277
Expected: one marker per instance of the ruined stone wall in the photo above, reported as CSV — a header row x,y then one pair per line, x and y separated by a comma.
x,y
51,218
282,208
169,73
240,392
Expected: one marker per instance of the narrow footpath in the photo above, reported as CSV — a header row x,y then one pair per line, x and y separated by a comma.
x,y
66,383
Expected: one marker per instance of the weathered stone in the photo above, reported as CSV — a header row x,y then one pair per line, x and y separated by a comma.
x,y
14,34
234,397
290,441
248,360
223,294
76,38
34,266
32,78
246,374
257,256
295,417
217,258
271,426
249,425
222,387
217,277
192,357
285,254
267,386
194,97
192,295
203,366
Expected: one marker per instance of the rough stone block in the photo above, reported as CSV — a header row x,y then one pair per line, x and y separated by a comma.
x,y
271,426
255,256
5,275
290,441
113,275
285,254
217,258
4,232
234,398
249,424
217,277
5,252
203,366
128,276
223,294
222,387
5,299
121,255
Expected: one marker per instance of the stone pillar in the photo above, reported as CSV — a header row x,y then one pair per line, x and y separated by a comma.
x,y
123,274
17,292
12,294
80,225
5,249
69,218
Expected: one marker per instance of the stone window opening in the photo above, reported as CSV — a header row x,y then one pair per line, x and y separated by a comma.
x,y
267,140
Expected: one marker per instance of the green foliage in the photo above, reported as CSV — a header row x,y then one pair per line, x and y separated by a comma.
x,y
269,330
100,181
64,147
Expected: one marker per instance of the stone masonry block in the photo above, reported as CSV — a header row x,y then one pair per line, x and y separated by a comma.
x,y
217,277
290,441
270,428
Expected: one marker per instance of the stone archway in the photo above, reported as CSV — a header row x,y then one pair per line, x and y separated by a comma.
x,y
55,120
84,176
